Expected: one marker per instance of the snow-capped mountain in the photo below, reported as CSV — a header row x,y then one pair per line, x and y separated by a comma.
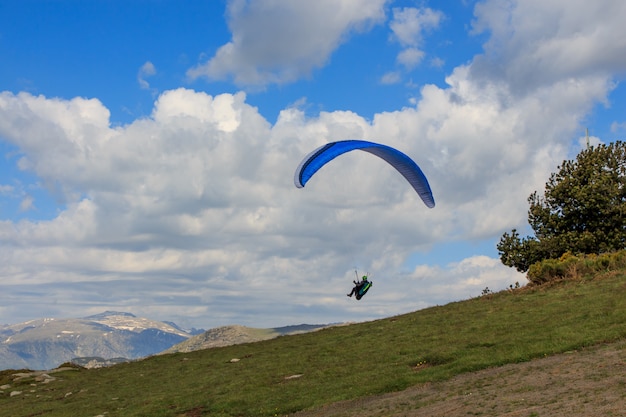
x,y
47,343
132,323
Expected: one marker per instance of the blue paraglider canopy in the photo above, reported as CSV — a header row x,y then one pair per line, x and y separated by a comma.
x,y
401,162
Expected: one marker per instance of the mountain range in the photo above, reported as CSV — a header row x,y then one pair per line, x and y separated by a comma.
x,y
114,337
47,343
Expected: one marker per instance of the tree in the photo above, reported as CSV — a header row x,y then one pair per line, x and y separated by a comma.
x,y
582,210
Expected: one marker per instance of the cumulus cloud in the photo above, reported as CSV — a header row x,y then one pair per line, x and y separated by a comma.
x,y
408,27
27,203
617,126
192,212
200,196
410,57
437,62
409,23
537,43
392,77
280,42
147,70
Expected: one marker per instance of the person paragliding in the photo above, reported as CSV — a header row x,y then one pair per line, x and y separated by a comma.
x,y
319,157
360,287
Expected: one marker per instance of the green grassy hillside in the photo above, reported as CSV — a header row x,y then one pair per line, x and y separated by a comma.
x,y
291,373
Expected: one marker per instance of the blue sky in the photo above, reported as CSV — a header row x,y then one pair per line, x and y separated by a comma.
x,y
149,147
116,39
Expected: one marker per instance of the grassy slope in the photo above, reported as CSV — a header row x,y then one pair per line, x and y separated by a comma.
x,y
342,362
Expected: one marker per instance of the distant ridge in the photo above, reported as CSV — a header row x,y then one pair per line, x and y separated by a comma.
x,y
301,328
46,343
109,313
236,334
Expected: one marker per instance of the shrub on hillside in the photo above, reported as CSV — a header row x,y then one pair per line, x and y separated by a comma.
x,y
569,266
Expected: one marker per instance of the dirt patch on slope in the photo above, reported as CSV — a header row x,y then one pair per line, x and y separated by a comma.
x,y
590,382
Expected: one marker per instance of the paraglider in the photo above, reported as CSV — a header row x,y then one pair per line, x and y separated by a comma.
x,y
401,162
360,287
314,161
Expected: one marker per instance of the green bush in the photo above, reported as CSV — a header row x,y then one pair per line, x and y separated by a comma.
x,y
569,266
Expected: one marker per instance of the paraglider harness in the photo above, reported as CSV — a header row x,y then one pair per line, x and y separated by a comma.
x,y
361,286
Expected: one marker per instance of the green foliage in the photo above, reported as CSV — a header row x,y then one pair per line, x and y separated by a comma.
x,y
339,363
518,253
569,266
582,211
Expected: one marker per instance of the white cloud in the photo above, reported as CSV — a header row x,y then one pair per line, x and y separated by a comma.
x,y
410,23
538,43
193,210
408,27
147,70
616,126
410,57
392,77
199,198
464,279
588,140
280,42
6,189
27,203
437,62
